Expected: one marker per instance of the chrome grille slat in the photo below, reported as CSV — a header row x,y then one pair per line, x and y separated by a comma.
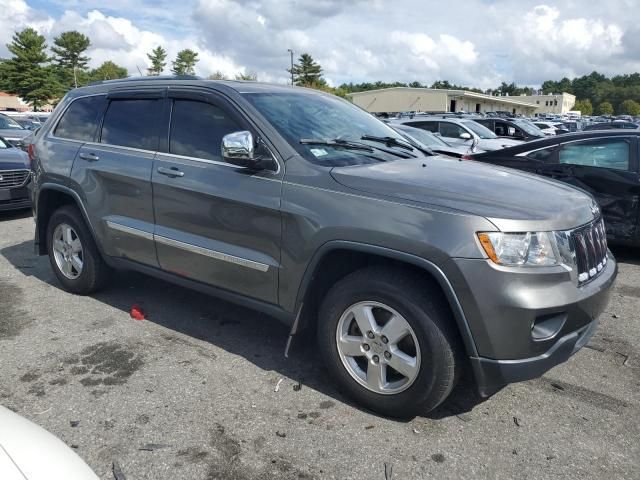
x,y
590,246
13,178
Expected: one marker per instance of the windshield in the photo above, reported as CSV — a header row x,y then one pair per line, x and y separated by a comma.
x,y
7,123
480,130
308,115
530,128
423,136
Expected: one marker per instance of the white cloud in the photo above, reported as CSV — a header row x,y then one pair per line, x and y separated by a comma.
x,y
472,42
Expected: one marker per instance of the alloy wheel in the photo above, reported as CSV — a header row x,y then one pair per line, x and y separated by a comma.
x,y
67,251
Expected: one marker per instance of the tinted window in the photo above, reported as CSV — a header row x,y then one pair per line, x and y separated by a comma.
x,y
451,130
197,129
131,123
543,155
8,123
428,126
612,153
80,120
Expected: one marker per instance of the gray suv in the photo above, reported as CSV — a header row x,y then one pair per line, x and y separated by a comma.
x,y
409,267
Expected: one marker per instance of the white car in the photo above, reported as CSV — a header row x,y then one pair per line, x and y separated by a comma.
x,y
548,128
461,132
29,452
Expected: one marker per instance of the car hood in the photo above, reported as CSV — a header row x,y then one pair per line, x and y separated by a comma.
x,y
11,133
13,159
511,200
497,143
30,452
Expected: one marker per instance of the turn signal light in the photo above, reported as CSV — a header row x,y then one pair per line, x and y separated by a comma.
x,y
466,157
31,151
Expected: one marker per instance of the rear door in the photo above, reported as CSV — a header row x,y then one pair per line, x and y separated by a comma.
x,y
114,175
606,167
215,222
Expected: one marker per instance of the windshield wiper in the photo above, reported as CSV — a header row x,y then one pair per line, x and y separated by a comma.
x,y
338,143
388,141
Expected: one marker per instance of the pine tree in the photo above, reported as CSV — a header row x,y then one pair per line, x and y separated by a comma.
x,y
185,62
217,75
108,71
157,57
26,74
307,72
251,76
68,57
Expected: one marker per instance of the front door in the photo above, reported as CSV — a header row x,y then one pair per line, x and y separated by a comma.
x,y
608,169
215,222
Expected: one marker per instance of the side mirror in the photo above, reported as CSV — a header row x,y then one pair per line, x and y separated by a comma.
x,y
238,148
465,136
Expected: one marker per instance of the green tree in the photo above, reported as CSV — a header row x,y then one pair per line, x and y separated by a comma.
x,y
108,71
26,73
252,76
157,58
604,108
68,51
217,75
307,72
630,107
584,107
185,62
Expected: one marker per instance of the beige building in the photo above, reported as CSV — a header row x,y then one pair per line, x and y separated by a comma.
x,y
12,103
405,99
558,103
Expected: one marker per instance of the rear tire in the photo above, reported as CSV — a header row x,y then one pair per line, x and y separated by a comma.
x,y
73,254
398,305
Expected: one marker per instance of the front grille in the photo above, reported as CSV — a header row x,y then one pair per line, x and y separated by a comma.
x,y
13,178
590,246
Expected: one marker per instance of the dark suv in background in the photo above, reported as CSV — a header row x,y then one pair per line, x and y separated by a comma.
x,y
410,267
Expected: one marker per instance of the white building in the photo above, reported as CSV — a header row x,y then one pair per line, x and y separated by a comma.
x,y
405,99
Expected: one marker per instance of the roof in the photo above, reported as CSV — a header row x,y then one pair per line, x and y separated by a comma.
x,y
240,86
449,92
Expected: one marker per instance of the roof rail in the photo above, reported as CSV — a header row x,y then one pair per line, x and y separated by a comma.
x,y
148,78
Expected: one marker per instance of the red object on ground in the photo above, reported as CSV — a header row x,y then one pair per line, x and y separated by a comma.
x,y
137,313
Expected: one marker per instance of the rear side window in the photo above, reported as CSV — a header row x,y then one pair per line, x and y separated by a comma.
x,y
80,121
132,123
197,129
613,153
544,155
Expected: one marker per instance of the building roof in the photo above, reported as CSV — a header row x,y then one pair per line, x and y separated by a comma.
x,y
456,93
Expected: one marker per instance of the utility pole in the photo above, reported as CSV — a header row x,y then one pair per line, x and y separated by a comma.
x,y
291,52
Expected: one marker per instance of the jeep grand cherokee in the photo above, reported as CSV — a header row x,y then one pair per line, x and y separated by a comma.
x,y
409,267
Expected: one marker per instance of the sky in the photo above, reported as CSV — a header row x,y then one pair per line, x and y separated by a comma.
x,y
472,42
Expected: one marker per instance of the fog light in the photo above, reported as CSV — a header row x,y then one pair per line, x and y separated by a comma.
x,y
545,327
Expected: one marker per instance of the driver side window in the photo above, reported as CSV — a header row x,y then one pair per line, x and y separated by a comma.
x,y
197,129
451,130
608,153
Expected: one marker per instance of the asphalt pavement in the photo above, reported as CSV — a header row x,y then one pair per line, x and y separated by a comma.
x,y
200,389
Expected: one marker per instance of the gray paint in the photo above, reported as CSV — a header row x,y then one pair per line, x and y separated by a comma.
x,y
211,227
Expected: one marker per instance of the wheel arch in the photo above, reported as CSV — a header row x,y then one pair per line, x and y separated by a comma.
x,y
336,259
52,196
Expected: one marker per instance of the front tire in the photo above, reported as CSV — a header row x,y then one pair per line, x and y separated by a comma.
x,y
389,339
73,254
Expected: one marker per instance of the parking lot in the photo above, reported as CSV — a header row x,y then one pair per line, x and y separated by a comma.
x,y
200,390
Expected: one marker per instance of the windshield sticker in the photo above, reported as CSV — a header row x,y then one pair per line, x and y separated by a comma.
x,y
318,152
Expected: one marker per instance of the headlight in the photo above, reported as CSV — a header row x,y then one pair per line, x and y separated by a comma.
x,y
521,249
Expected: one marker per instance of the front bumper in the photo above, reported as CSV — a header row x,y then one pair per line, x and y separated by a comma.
x,y
504,307
14,198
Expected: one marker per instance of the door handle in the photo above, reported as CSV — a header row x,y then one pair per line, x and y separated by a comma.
x,y
170,172
89,157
